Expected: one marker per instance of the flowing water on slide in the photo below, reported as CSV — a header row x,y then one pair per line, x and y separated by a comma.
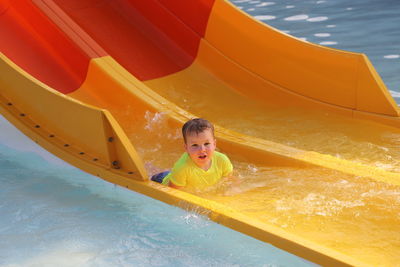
x,y
328,207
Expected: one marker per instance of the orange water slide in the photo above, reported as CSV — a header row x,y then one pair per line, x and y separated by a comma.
x,y
86,79
155,39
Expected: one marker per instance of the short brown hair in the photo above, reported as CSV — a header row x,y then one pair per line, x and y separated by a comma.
x,y
197,126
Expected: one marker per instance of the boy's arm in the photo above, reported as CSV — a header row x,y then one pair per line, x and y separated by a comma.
x,y
180,178
171,184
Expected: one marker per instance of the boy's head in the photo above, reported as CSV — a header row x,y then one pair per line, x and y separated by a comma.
x,y
200,142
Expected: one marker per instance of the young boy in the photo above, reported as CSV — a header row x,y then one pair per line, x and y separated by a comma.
x,y
200,166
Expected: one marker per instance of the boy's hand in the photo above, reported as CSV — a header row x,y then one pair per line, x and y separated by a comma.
x,y
170,184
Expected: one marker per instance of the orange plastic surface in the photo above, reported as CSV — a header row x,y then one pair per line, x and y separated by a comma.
x,y
194,14
145,37
327,75
36,44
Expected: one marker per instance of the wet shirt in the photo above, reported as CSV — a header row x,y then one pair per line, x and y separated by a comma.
x,y
186,173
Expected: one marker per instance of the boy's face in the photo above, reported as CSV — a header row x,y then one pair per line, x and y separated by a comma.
x,y
200,148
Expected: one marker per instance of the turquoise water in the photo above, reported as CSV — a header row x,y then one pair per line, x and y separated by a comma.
x,y
52,214
366,26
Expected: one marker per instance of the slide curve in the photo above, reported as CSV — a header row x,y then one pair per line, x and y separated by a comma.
x,y
106,86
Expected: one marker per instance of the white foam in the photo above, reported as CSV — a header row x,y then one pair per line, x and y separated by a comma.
x,y
395,94
322,34
331,26
297,17
154,120
265,17
328,43
265,4
321,2
251,9
391,56
317,19
252,168
384,166
290,6
349,8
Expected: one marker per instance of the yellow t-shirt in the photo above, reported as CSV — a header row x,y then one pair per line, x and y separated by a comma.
x,y
186,173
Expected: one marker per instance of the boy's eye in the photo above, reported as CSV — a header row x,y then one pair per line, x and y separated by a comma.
x,y
207,144
195,145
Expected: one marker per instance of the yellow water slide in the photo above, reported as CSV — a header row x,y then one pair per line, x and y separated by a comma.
x,y
313,132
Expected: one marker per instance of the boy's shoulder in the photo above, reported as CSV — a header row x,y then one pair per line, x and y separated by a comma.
x,y
223,163
182,163
221,156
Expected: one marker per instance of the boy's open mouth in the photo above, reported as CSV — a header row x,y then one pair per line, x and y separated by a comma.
x,y
202,156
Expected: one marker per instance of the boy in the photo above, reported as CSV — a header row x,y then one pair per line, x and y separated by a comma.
x,y
200,166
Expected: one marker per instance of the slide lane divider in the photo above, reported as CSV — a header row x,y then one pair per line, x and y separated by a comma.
x,y
70,28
